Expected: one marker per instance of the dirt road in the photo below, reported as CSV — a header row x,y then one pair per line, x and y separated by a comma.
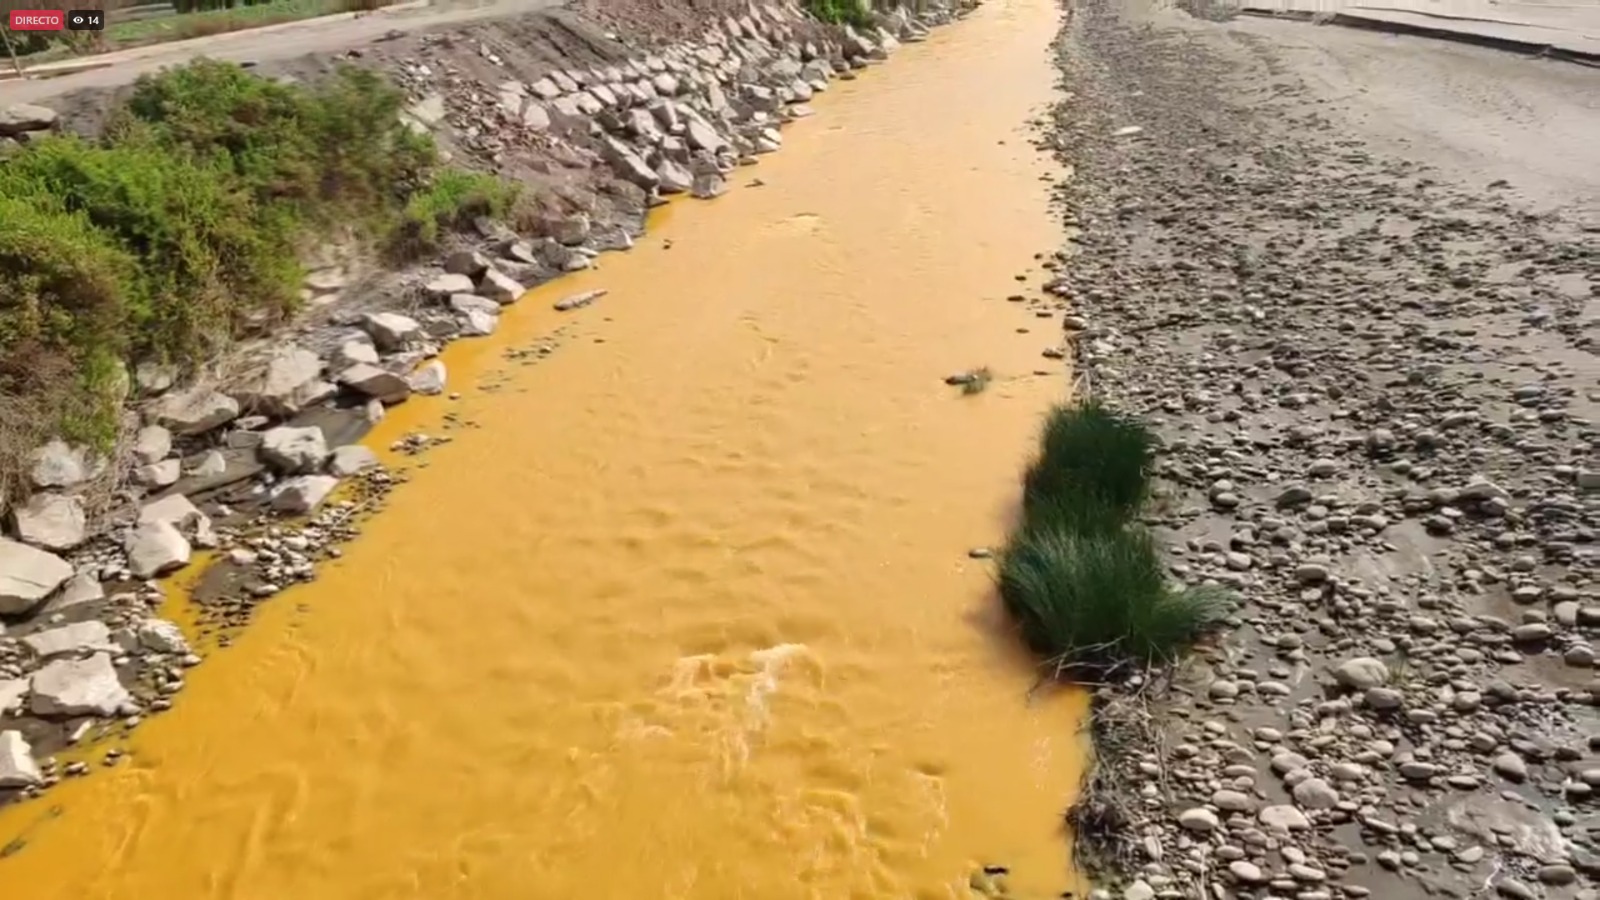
x,y
1479,114
277,42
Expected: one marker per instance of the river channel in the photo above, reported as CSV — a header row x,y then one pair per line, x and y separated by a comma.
x,y
690,614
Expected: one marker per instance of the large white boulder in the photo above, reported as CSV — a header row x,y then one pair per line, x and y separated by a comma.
x,y
159,475
156,548
59,465
152,444
154,378
350,459
52,521
12,692
17,768
391,331
162,636
478,324
463,267
194,411
19,118
78,687
1361,673
379,384
355,350
183,514
83,587
285,383
429,378
27,576
302,494
65,640
292,450
500,287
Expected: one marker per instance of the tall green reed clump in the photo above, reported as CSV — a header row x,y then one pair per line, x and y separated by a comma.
x,y
1081,578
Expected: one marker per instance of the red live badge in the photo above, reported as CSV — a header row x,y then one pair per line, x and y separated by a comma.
x,y
38,20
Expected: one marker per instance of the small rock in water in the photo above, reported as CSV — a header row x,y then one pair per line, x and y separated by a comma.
x,y
579,301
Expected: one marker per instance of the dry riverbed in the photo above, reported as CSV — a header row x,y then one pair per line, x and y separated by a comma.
x,y
1376,382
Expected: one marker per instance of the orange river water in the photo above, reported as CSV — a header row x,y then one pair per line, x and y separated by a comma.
x,y
690,615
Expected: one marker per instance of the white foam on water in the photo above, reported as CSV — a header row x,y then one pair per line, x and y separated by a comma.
x,y
725,699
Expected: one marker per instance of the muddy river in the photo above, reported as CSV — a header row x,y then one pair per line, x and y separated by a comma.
x,y
691,614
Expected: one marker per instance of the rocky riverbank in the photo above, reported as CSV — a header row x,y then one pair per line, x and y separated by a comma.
x,y
601,114
1376,388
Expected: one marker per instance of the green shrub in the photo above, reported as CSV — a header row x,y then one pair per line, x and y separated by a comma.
x,y
61,327
452,201
1098,602
840,12
329,152
61,279
1090,460
209,258
180,230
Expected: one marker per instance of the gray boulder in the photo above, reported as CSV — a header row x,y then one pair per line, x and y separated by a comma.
x,y
350,459
1361,673
51,521
27,576
154,378
20,118
627,164
285,383
12,692
355,350
457,280
391,331
81,588
292,450
17,768
155,548
182,514
194,411
159,475
302,494
377,383
152,444
478,324
59,465
69,640
501,288
162,636
78,687
429,378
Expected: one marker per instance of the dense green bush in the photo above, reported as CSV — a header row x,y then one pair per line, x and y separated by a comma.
x,y
452,201
180,230
209,258
1081,579
840,12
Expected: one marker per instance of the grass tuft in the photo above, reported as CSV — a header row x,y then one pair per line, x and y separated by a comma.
x,y
451,202
1098,601
1090,458
1083,582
